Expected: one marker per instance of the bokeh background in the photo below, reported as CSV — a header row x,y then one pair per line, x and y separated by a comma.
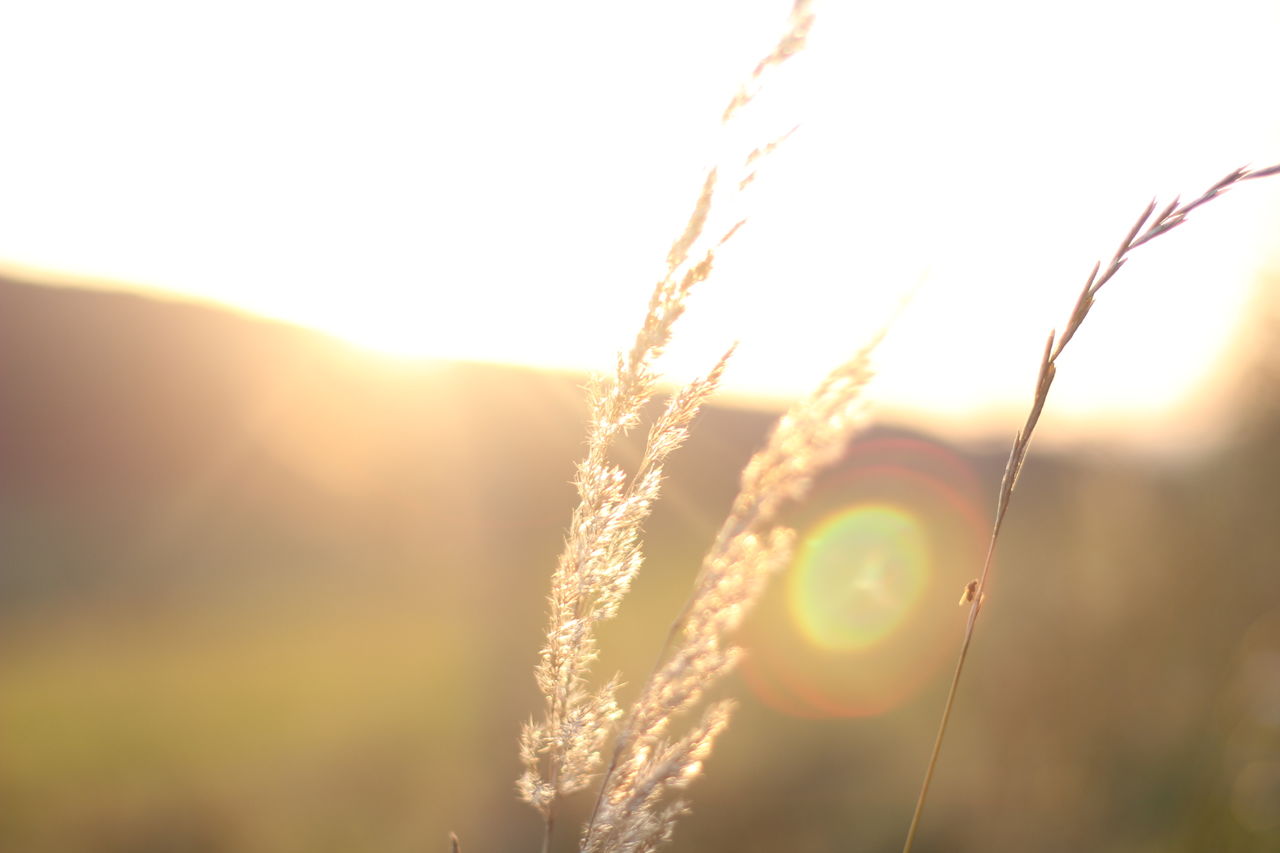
x,y
265,586
263,591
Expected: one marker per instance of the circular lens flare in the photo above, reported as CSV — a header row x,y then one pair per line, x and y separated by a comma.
x,y
867,615
858,575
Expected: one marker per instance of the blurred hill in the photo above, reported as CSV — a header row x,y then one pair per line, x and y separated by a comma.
x,y
262,591
149,426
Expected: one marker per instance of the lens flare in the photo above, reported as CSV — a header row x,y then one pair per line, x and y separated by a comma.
x,y
868,611
858,575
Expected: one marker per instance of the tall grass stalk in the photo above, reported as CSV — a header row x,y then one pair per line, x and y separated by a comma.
x,y
635,809
1144,230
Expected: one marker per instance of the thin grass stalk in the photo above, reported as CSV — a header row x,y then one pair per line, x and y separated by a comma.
x,y
1143,231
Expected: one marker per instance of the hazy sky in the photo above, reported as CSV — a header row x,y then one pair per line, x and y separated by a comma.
x,y
501,180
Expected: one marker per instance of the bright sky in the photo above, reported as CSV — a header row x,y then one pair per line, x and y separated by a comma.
x,y
501,180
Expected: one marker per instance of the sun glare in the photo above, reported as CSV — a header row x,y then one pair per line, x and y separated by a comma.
x,y
487,199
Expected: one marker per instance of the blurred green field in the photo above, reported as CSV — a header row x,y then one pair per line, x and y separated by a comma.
x,y
312,625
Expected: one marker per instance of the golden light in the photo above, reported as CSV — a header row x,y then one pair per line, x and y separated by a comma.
x,y
500,182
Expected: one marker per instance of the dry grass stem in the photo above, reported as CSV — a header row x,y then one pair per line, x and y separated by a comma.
x,y
561,752
1145,229
792,42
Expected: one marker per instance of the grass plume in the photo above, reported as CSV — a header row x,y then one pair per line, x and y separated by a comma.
x,y
634,810
601,556
748,550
